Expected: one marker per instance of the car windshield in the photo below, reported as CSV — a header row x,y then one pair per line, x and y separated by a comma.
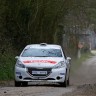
x,y
33,52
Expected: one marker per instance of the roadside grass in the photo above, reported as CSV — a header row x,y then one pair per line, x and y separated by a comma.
x,y
7,62
76,62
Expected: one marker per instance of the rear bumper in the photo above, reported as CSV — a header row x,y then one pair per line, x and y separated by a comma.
x,y
56,75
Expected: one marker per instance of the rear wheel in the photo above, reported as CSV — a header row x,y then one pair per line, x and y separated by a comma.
x,y
68,82
17,84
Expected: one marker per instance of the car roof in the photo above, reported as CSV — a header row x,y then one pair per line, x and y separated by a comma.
x,y
43,46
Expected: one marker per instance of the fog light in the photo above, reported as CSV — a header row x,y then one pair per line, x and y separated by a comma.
x,y
58,78
20,77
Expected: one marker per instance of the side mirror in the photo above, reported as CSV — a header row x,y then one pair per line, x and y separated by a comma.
x,y
16,57
68,58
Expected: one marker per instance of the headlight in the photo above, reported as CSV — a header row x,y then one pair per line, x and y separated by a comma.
x,y
19,64
60,65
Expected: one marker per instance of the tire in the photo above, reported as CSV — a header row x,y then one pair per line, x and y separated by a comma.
x,y
64,84
68,82
24,84
17,84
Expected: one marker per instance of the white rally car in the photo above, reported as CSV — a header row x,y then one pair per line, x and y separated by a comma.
x,y
42,62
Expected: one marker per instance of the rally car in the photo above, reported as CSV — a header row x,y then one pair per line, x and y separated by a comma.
x,y
42,62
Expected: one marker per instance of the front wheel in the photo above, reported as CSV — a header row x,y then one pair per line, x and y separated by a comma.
x,y
17,84
66,81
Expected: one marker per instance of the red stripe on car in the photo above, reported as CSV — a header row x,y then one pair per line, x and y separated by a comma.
x,y
40,61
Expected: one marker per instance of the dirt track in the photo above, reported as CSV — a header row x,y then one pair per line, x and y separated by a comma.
x,y
85,79
82,84
86,74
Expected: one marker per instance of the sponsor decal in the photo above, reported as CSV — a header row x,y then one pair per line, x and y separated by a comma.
x,y
62,73
40,61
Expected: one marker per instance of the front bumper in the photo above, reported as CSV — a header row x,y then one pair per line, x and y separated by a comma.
x,y
54,75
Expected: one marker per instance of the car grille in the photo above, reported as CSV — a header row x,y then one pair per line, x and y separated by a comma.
x,y
48,70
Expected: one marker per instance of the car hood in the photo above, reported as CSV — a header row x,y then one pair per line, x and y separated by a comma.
x,y
40,61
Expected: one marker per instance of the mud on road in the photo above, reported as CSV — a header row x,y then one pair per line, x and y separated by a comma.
x,y
83,83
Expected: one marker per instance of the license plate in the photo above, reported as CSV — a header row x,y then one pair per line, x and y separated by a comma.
x,y
39,72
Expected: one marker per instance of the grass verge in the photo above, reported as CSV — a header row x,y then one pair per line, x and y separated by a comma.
x,y
7,62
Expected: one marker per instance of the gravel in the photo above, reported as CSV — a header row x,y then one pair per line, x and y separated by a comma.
x,y
83,90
